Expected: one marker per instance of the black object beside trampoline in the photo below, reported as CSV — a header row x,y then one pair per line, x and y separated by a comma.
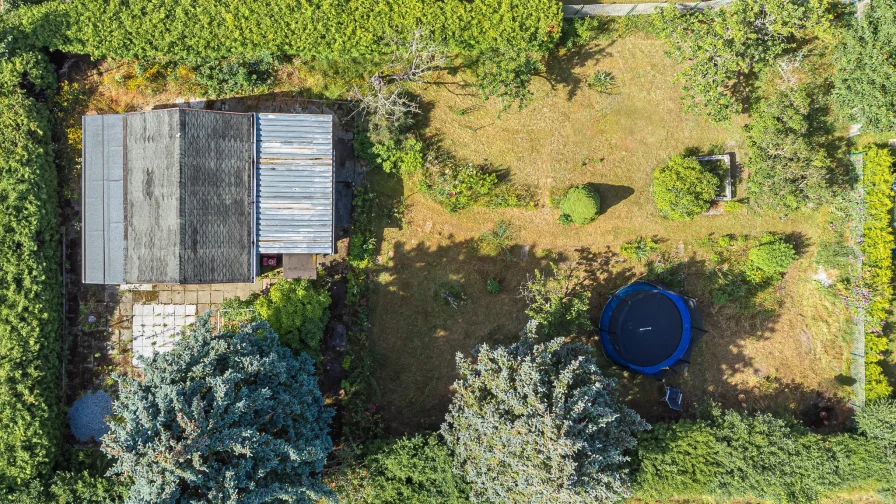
x,y
650,330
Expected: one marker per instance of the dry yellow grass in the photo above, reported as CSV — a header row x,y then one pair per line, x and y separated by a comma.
x,y
570,135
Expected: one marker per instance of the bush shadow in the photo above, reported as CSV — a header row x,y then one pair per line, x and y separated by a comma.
x,y
610,194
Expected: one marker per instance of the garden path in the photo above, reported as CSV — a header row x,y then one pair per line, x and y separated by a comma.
x,y
571,11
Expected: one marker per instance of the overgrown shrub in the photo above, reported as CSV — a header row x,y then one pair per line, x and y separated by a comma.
x,y
578,31
580,205
80,478
739,282
412,470
458,185
866,68
558,301
30,282
790,165
639,249
877,269
297,312
539,423
734,456
772,254
297,309
403,156
85,488
230,417
683,188
602,82
877,421
233,76
496,242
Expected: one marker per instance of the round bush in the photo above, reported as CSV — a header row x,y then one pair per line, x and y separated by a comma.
x,y
580,205
772,255
683,189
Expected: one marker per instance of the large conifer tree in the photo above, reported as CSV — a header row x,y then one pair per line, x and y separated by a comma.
x,y
539,423
230,417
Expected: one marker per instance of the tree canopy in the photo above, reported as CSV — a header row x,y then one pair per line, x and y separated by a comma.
x,y
539,423
790,165
229,417
866,68
726,49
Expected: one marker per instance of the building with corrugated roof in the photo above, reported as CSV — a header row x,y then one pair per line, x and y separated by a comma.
x,y
197,196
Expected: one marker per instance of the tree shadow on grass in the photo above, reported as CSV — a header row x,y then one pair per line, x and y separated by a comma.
x,y
721,369
560,67
416,332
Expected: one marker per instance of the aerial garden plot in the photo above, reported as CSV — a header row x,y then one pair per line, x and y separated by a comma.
x,y
460,252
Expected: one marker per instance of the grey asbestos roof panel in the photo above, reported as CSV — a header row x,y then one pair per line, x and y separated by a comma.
x,y
216,213
295,184
113,193
153,197
102,200
189,176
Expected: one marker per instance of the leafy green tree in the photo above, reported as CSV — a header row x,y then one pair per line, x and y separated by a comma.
x,y
411,470
789,164
683,188
725,49
558,301
772,254
539,423
297,311
229,417
866,68
580,205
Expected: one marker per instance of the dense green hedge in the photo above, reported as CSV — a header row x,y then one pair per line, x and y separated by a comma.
x,y
731,455
500,39
877,247
30,282
410,470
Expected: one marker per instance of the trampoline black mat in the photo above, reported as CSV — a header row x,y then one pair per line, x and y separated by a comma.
x,y
645,328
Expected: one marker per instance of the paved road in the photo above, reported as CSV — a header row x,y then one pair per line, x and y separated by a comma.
x,y
634,9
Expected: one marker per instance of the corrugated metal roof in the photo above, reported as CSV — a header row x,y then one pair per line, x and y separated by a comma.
x,y
103,199
295,184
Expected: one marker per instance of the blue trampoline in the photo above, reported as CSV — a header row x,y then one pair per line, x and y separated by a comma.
x,y
649,330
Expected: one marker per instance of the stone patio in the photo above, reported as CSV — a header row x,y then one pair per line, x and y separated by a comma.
x,y
205,297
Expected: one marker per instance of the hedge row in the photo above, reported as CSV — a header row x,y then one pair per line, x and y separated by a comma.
x,y
30,282
735,456
877,248
500,39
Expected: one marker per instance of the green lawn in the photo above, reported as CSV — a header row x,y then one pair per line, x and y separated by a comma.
x,y
571,135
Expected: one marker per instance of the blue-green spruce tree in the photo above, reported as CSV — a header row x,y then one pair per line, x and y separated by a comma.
x,y
538,423
225,418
